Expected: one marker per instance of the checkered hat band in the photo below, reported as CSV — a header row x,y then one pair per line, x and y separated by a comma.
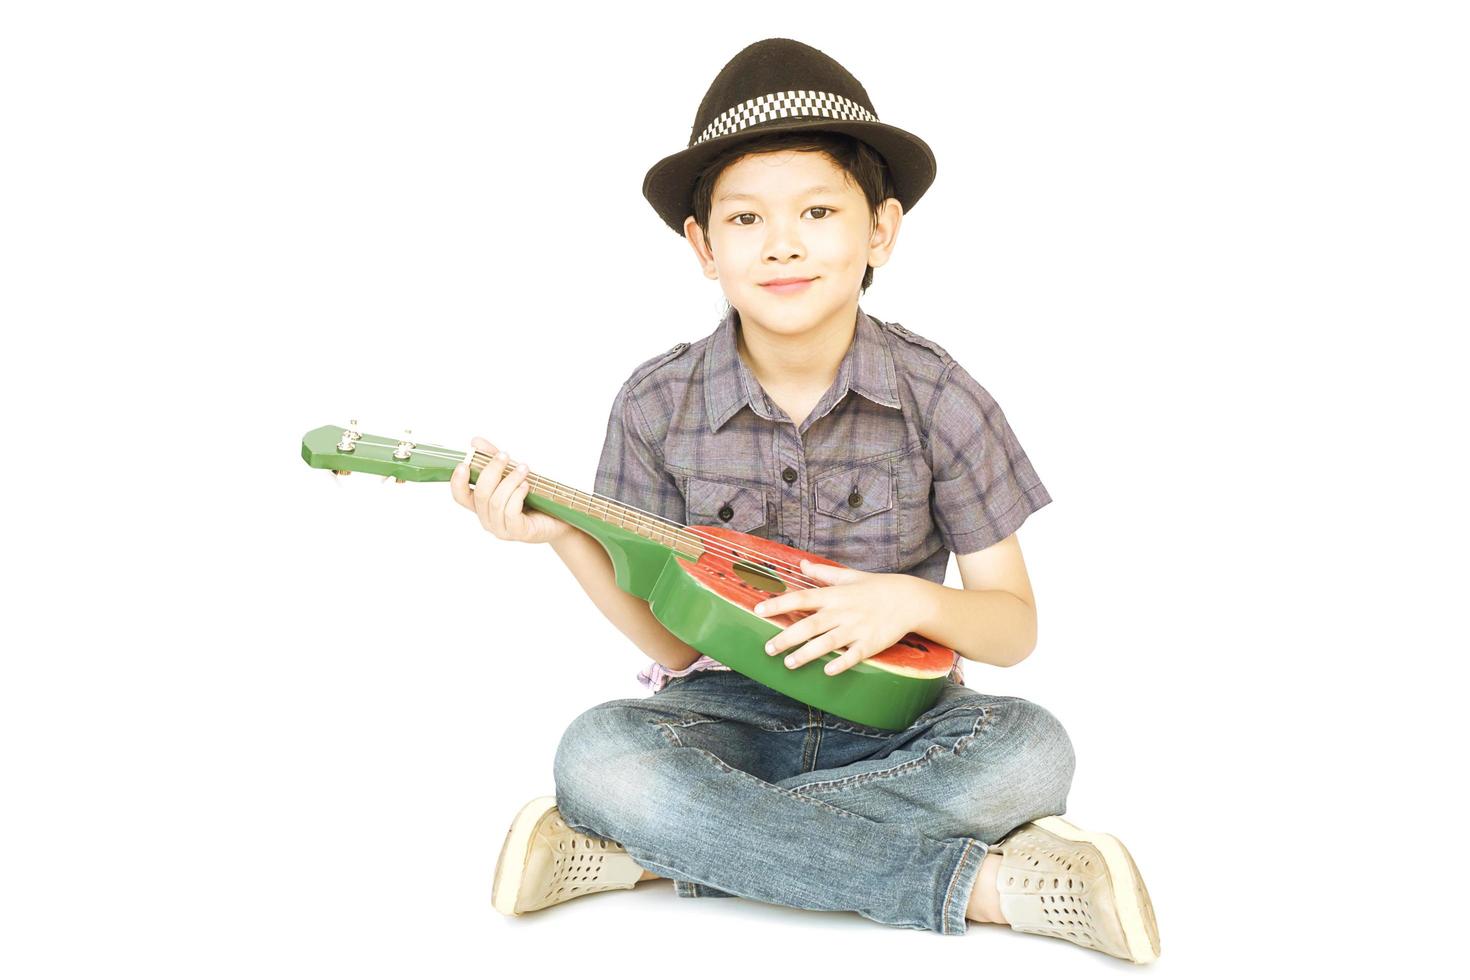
x,y
783,105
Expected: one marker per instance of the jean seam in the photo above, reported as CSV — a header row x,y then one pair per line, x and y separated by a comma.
x,y
807,762
864,777
812,801
667,729
692,719
865,732
982,724
960,870
819,731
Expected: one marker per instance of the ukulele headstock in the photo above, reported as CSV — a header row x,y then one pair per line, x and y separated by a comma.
x,y
345,450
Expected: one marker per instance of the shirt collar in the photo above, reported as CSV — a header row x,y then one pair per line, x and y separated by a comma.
x,y
866,368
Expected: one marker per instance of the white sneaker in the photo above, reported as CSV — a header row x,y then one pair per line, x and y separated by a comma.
x,y
544,862
1058,880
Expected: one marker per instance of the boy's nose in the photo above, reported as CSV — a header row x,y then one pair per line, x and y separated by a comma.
x,y
783,237
784,248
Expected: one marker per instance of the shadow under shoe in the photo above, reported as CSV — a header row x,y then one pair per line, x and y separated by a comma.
x,y
544,862
1058,880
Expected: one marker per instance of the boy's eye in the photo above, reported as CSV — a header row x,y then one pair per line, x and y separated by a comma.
x,y
746,214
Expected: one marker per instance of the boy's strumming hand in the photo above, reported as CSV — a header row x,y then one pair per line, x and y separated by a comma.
x,y
866,612
497,496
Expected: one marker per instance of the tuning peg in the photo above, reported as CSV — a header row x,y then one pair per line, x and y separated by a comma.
x,y
350,435
405,447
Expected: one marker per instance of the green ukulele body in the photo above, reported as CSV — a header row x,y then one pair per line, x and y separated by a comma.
x,y
864,693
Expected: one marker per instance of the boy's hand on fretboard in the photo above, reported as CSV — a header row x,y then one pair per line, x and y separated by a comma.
x,y
497,498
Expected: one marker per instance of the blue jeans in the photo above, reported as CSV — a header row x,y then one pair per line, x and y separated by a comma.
x,y
733,789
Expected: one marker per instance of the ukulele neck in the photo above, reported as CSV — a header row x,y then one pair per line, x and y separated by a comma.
x,y
638,544
580,504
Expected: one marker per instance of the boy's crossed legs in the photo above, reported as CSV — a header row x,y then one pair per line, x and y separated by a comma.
x,y
714,783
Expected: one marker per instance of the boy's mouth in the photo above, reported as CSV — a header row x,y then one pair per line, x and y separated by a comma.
x,y
787,285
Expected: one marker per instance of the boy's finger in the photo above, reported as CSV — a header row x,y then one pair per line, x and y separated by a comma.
x,y
485,489
504,493
811,650
515,517
789,600
457,481
849,658
459,486
490,476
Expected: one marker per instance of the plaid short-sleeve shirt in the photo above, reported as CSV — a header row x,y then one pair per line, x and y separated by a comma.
x,y
904,460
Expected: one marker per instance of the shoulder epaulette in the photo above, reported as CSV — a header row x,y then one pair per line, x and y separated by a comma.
x,y
915,339
654,363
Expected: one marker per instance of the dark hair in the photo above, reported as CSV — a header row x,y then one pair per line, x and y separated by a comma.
x,y
862,164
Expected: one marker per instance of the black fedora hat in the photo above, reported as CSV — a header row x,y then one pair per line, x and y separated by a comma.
x,y
780,84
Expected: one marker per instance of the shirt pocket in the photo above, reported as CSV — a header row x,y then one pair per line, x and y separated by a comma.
x,y
715,503
856,521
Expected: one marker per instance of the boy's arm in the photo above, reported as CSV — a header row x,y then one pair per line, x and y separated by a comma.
x,y
993,618
593,569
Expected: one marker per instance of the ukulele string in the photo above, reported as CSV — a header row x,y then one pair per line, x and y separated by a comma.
x,y
782,569
710,542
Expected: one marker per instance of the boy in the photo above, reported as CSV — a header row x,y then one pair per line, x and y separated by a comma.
x,y
805,420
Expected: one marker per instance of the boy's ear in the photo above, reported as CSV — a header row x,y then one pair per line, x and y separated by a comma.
x,y
885,232
702,252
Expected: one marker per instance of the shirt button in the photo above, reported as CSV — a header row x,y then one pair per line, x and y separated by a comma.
x,y
855,499
789,475
726,513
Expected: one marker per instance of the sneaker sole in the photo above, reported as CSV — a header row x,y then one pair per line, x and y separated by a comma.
x,y
1135,908
517,848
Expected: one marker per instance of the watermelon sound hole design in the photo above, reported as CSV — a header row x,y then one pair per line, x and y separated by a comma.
x,y
729,569
757,576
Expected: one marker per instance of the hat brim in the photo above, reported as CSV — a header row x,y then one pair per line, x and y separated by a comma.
x,y
669,184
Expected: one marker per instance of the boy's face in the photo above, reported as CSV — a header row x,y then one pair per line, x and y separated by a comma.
x,y
766,222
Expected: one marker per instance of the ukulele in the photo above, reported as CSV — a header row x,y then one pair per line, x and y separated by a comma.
x,y
701,582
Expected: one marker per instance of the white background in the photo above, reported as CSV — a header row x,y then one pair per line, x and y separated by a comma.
x,y
1209,258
